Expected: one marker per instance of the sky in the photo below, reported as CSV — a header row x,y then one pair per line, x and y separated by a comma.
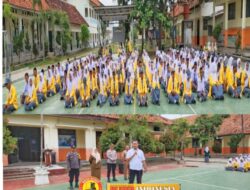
x,y
175,116
108,2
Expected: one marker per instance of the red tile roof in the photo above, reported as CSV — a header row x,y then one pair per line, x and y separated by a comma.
x,y
233,125
74,16
27,4
96,2
114,117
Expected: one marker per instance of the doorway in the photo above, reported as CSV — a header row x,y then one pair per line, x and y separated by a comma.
x,y
198,32
28,144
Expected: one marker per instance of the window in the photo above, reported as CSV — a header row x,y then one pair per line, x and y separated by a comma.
x,y
231,11
90,13
66,137
205,23
86,12
247,8
195,143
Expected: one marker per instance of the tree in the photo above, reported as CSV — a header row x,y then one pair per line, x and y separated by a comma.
x,y
85,34
103,30
143,13
9,16
181,129
127,129
169,140
27,42
238,42
18,44
9,142
217,32
160,12
205,127
235,141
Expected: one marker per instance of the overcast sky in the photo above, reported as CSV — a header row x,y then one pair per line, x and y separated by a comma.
x,y
108,2
175,116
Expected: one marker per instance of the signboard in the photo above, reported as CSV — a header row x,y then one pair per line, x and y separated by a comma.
x,y
143,186
119,34
90,183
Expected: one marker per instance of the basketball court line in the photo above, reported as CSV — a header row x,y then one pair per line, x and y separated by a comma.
x,y
192,109
178,178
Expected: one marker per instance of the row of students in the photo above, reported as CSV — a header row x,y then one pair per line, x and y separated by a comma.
x,y
241,163
179,74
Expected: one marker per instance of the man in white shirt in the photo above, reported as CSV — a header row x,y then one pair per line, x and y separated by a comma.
x,y
111,162
136,159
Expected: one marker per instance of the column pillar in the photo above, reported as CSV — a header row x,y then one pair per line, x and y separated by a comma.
x,y
51,139
20,24
90,141
243,24
226,24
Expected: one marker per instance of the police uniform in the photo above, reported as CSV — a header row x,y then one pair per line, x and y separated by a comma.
x,y
73,164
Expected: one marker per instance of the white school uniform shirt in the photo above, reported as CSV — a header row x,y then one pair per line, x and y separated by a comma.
x,y
26,88
136,163
201,85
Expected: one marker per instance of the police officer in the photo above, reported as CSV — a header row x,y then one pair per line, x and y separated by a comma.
x,y
73,165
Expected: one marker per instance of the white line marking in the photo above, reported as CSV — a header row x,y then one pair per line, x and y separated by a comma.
x,y
192,109
195,174
210,185
198,173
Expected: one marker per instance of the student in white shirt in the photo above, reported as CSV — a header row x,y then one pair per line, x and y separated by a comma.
x,y
136,159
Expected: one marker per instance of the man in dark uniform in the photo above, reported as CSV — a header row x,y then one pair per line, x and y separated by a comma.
x,y
73,164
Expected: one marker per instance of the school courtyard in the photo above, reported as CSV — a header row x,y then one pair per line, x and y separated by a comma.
x,y
193,175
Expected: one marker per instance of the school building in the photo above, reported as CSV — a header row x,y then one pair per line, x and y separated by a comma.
x,y
202,16
232,125
60,131
24,18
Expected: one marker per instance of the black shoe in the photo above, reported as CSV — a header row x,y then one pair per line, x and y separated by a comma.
x,y
108,180
77,186
115,180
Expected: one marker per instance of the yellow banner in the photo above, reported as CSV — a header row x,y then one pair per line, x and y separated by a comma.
x,y
143,186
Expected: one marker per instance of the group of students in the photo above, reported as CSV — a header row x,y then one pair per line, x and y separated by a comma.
x,y
240,163
179,73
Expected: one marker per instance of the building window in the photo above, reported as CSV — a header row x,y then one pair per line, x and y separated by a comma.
x,y
90,13
231,11
195,143
86,12
205,23
66,137
247,8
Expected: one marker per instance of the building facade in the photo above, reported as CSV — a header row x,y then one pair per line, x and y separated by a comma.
x,y
232,125
24,18
232,15
86,9
60,132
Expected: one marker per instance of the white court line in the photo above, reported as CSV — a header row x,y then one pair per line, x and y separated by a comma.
x,y
199,173
192,109
174,177
210,185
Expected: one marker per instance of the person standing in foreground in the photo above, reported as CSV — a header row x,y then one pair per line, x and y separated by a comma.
x,y
111,162
206,154
95,163
73,165
125,162
136,160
